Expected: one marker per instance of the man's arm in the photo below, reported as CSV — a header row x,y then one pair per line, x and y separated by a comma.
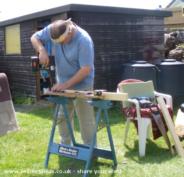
x,y
38,46
78,77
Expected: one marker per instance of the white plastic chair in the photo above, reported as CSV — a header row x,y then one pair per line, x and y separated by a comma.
x,y
136,88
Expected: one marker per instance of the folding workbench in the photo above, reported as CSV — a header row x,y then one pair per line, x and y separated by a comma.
x,y
102,102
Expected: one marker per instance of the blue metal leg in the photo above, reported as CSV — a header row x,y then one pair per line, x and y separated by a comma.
x,y
91,148
52,134
110,137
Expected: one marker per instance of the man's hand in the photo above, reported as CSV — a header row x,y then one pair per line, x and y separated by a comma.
x,y
78,77
59,87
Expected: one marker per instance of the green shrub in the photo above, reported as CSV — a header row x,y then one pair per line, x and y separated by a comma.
x,y
23,100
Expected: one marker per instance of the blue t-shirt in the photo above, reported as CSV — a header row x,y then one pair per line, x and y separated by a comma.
x,y
70,57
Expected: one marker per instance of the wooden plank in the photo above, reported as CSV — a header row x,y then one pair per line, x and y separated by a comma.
x,y
104,95
170,126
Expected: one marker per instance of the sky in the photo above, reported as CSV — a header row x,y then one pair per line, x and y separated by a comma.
x,y
14,8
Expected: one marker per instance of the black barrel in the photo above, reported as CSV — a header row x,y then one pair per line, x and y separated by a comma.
x,y
170,78
141,70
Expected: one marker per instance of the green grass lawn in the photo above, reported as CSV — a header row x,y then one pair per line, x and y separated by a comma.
x,y
22,153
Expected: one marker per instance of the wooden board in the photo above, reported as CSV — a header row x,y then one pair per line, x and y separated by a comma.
x,y
170,126
96,94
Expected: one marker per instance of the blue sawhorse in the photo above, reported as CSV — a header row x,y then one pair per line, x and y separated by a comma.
x,y
81,151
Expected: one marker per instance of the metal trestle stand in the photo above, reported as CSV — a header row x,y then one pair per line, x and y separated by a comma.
x,y
76,150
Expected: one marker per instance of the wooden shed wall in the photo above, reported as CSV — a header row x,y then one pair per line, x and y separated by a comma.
x,y
118,38
176,21
18,67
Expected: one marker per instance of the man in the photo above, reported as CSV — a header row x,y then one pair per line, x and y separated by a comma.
x,y
74,59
